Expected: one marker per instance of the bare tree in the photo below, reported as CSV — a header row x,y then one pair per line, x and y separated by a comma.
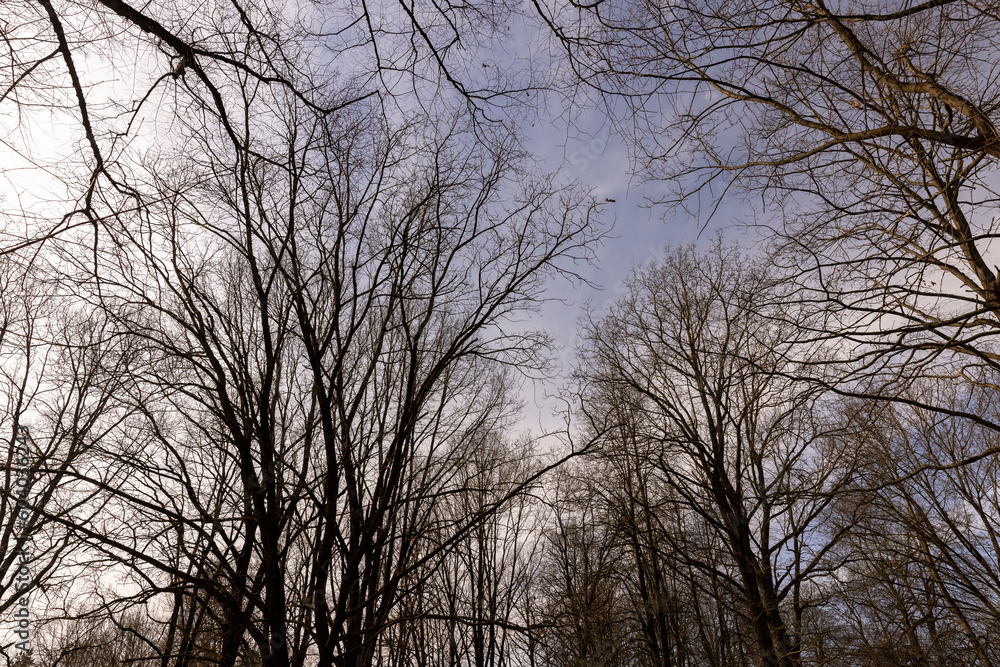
x,y
682,615
869,133
61,397
585,609
322,329
113,79
304,296
100,641
470,604
922,581
691,371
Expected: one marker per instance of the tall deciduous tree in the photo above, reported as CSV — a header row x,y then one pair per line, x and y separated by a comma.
x,y
689,374
325,325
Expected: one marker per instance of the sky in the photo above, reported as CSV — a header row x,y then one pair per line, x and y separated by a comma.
x,y
580,143
586,147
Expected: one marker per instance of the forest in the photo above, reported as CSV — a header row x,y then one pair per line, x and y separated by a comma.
x,y
277,284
